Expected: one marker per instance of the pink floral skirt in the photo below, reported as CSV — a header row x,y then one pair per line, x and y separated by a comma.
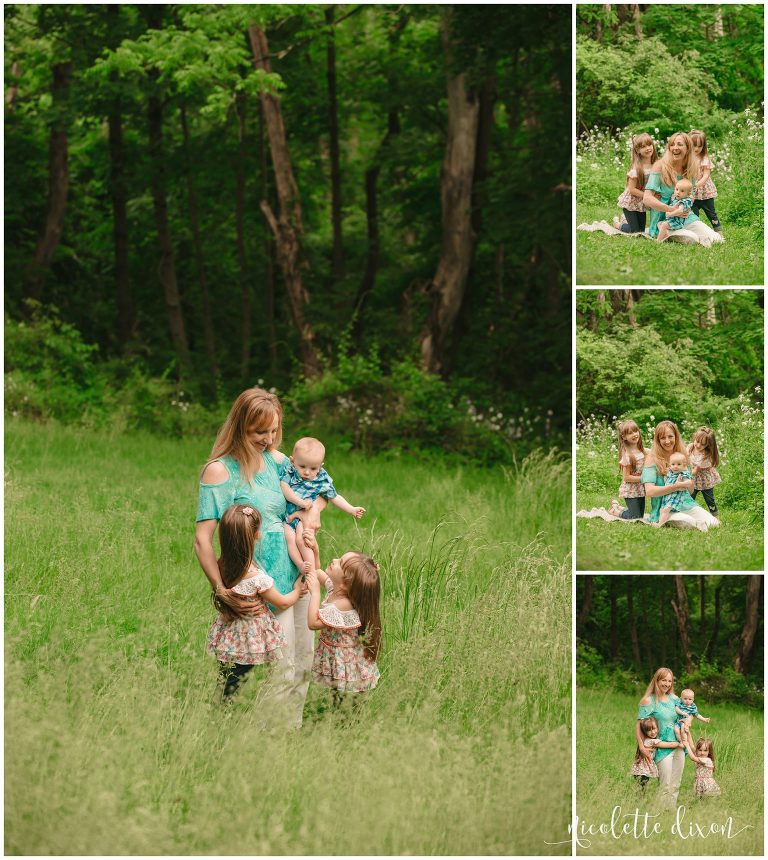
x,y
250,641
343,667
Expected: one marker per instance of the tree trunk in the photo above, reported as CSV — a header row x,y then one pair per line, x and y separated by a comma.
x,y
711,316
630,308
287,226
613,598
117,188
269,274
680,607
636,19
167,261
633,626
447,288
242,268
710,649
337,267
13,89
702,605
586,604
58,184
663,626
372,222
751,621
197,242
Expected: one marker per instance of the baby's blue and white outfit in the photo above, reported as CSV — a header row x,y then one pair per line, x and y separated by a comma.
x,y
322,485
682,500
691,710
678,221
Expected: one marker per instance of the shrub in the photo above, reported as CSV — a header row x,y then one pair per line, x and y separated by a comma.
x,y
713,684
593,671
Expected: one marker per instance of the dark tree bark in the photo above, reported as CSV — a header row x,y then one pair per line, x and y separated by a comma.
x,y
287,226
710,649
118,192
751,621
446,291
586,603
13,89
614,602
242,266
58,184
633,625
663,623
702,605
337,266
197,242
680,607
636,19
269,252
165,242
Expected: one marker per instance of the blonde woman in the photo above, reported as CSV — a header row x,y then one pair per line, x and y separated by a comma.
x,y
678,162
243,469
667,441
659,702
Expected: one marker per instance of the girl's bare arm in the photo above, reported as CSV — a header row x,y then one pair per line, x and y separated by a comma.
x,y
626,473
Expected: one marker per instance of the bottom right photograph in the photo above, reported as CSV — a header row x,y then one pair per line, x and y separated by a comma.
x,y
669,714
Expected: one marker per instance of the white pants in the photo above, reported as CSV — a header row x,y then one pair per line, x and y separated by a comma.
x,y
670,776
691,519
291,674
703,234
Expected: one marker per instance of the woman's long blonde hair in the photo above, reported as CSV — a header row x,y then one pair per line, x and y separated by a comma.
x,y
654,689
253,408
690,164
660,456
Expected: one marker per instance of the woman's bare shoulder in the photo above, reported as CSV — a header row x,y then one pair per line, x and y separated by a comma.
x,y
215,473
656,167
277,456
646,700
650,460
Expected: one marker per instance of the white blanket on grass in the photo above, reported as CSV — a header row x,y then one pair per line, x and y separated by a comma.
x,y
696,233
676,520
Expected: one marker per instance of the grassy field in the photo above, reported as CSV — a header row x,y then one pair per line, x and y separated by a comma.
x,y
605,749
602,259
736,545
115,743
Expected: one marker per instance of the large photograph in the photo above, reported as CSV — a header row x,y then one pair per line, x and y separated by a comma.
x,y
669,715
287,401
670,130
669,429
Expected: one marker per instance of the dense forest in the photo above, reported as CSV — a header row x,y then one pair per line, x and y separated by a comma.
x,y
704,627
667,66
321,198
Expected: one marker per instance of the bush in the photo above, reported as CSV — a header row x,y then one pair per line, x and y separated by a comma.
x,y
593,671
713,684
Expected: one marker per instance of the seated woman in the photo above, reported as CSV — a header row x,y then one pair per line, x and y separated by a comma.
x,y
678,162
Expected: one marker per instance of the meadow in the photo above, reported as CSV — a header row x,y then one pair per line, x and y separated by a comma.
x,y
602,160
736,545
605,749
115,740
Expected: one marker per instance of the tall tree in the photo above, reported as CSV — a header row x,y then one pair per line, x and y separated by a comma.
x,y
680,607
337,266
751,619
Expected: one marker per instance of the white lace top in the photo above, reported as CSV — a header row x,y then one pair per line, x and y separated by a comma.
x,y
254,584
332,616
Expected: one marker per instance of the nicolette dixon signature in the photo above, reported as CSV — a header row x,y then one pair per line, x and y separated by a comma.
x,y
642,825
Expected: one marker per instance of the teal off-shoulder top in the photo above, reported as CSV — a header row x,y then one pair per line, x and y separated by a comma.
x,y
264,494
654,183
665,716
651,476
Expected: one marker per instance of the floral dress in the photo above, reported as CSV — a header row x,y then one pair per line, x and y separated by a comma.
x,y
704,784
627,200
340,661
629,490
646,767
707,476
707,191
258,638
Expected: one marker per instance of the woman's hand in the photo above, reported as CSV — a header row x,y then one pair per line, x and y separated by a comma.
x,y
687,484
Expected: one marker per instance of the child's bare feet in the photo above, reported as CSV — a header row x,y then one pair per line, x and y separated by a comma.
x,y
615,509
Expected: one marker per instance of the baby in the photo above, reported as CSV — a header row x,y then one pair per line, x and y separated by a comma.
x,y
681,500
682,203
302,480
686,710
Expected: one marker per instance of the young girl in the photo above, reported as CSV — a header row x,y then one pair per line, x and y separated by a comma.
x,y
644,769
704,458
246,632
631,459
631,200
705,192
349,625
704,757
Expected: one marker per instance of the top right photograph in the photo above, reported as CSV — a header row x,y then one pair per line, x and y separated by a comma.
x,y
669,144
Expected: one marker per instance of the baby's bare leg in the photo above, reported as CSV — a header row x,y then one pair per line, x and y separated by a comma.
x,y
307,555
664,515
678,732
293,547
663,231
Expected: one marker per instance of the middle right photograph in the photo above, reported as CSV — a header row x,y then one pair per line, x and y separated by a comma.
x,y
669,429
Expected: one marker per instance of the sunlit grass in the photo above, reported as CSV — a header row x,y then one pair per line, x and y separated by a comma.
x,y
115,743
605,748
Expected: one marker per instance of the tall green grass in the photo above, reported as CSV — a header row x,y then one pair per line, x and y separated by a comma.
x,y
605,749
115,743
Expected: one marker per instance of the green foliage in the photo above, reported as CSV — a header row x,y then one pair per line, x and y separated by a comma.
x,y
713,684
593,671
